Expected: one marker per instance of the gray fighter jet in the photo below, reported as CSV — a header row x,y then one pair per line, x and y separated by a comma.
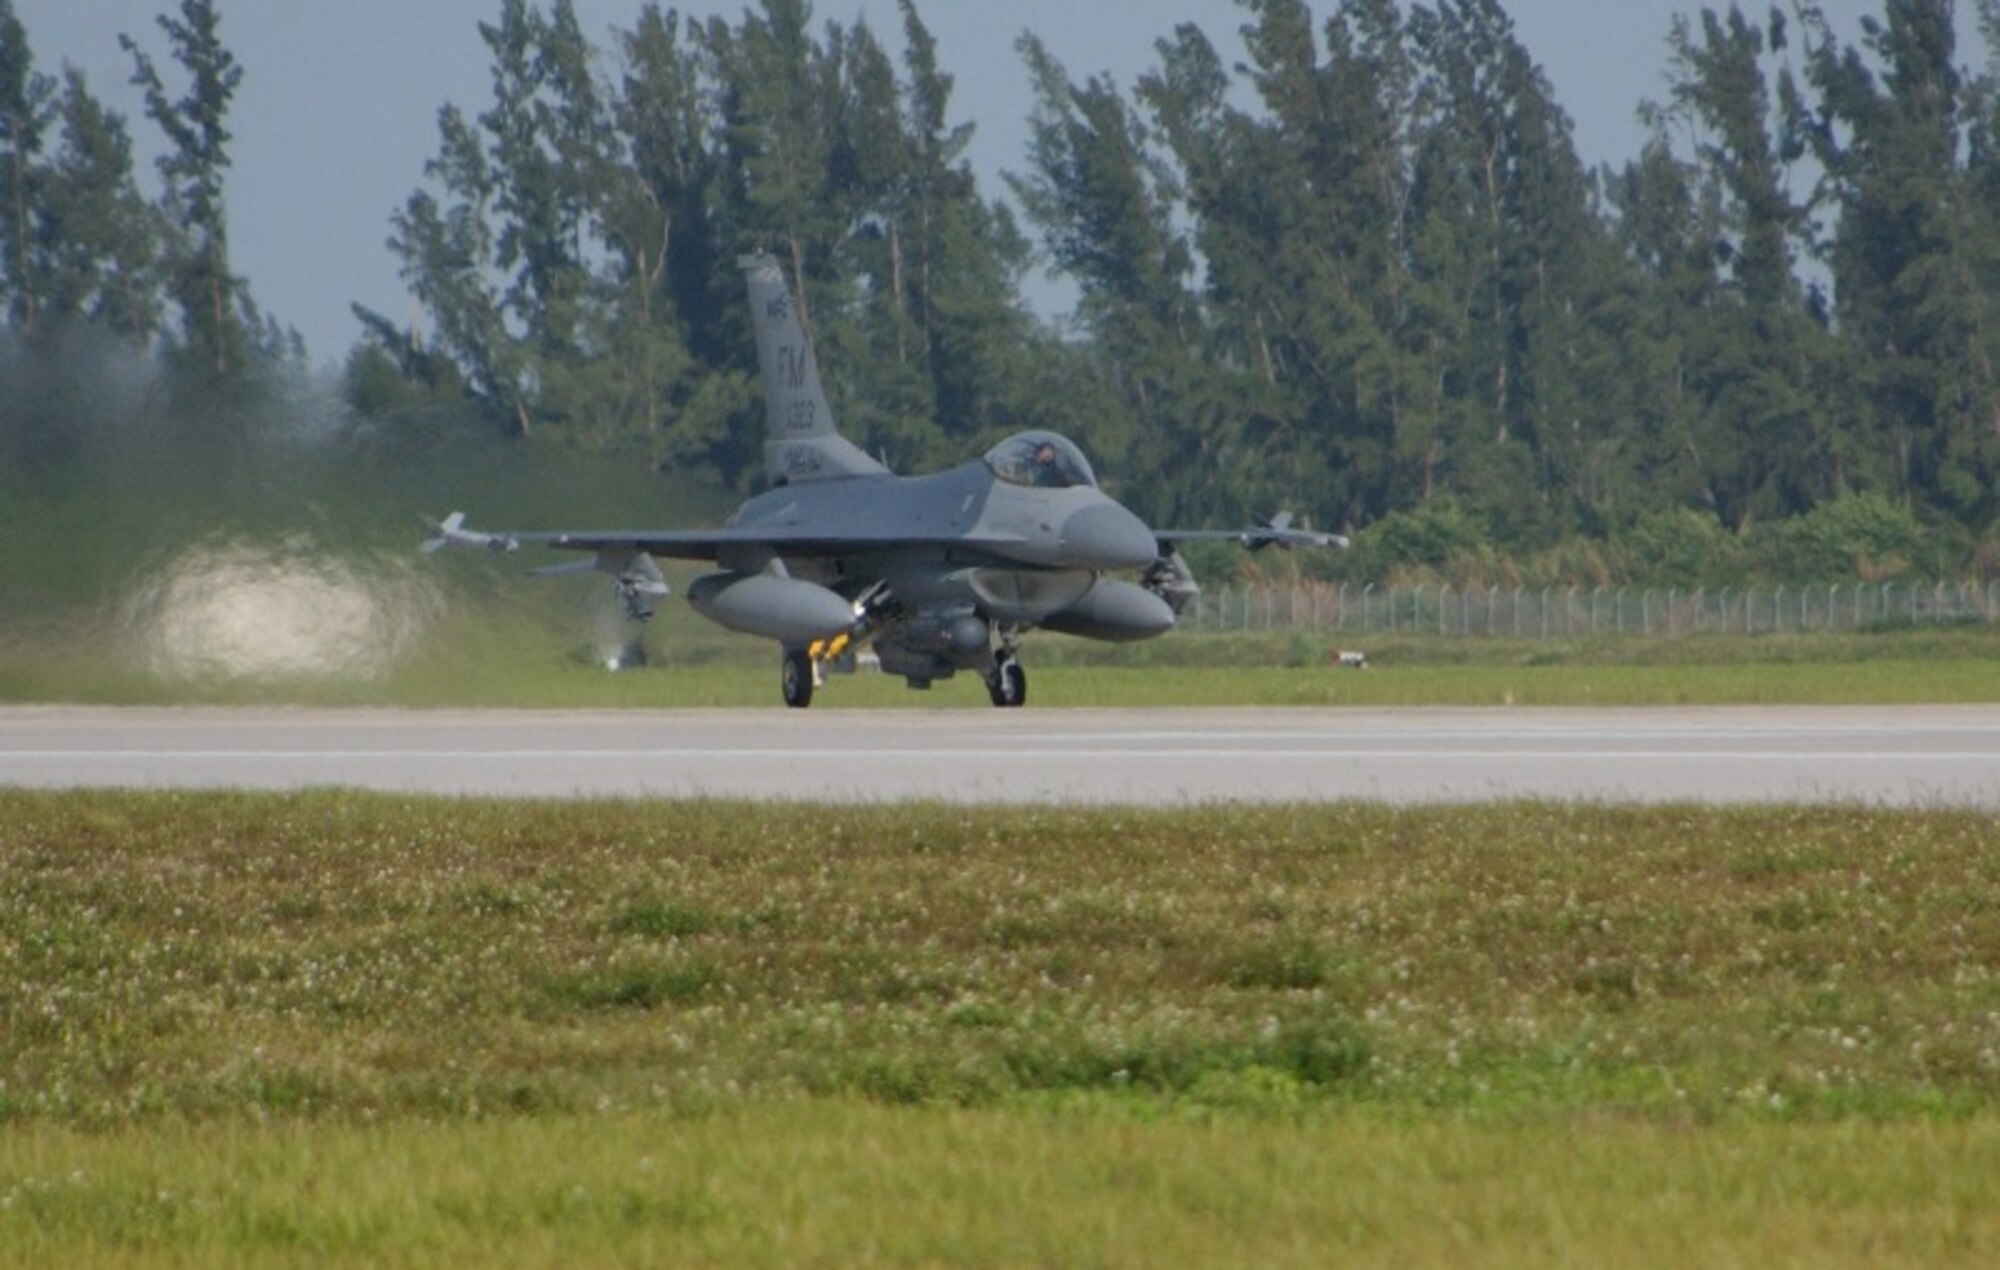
x,y
937,573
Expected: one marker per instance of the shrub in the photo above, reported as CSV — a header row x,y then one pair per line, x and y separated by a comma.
x,y
1680,547
1862,535
1430,537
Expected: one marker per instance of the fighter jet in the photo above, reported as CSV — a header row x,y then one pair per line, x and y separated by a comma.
x,y
938,573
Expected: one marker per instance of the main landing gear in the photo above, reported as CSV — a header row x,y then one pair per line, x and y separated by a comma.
x,y
1007,683
795,676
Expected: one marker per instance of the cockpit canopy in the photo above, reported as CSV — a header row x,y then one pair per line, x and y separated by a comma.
x,y
1040,459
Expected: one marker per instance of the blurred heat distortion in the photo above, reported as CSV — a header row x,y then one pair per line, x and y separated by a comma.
x,y
232,609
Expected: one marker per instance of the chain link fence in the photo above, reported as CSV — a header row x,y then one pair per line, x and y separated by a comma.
x,y
1562,612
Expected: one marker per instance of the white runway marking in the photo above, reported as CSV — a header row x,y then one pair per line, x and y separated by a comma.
x,y
1287,754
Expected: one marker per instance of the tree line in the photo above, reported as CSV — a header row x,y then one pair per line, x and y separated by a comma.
x,y
83,247
1364,274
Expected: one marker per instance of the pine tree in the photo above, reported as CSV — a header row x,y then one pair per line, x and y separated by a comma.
x,y
1104,202
26,110
208,294
97,238
1914,259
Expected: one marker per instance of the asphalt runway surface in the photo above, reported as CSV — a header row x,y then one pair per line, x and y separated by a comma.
x,y
1898,756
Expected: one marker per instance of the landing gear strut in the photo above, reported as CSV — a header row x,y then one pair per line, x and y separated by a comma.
x,y
795,676
1007,683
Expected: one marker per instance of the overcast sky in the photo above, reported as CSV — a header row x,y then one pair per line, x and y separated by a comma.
x,y
337,111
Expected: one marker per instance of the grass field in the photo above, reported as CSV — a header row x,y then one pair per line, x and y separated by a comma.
x,y
340,1026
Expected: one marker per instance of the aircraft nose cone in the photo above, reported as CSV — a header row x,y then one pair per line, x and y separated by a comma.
x,y
1106,536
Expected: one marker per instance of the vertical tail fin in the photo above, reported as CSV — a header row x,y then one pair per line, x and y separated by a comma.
x,y
801,442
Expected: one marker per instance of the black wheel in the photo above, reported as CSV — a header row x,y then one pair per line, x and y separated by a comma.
x,y
1007,684
795,676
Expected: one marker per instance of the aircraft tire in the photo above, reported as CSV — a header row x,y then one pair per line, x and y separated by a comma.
x,y
795,678
1008,684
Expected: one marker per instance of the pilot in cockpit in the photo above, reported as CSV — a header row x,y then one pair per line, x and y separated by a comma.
x,y
1045,465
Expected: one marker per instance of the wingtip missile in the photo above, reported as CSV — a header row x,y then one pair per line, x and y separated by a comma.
x,y
1278,531
451,532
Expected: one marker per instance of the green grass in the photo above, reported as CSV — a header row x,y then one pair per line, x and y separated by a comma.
x,y
347,1026
845,1184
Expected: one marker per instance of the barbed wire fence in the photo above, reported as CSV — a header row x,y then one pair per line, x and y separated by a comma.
x,y
1565,612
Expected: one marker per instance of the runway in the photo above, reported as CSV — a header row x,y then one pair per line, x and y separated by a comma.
x,y
1927,756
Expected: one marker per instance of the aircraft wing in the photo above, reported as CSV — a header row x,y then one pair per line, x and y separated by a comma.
x,y
1275,532
688,544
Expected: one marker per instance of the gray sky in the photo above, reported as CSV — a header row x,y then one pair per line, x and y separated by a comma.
x,y
337,112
